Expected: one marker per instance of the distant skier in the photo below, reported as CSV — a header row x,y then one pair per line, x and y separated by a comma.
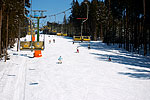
x,y
77,50
89,46
53,40
109,59
60,60
49,41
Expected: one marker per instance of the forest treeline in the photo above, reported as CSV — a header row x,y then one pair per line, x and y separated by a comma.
x,y
12,22
122,22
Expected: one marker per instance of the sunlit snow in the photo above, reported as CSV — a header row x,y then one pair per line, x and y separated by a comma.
x,y
87,75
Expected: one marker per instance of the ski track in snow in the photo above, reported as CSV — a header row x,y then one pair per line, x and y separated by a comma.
x,y
87,75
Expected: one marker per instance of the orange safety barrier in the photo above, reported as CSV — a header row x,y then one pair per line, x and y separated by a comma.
x,y
37,53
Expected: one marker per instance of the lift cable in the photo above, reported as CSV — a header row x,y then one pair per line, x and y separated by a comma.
x,y
60,12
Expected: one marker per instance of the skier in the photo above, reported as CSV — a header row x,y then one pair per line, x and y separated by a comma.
x,y
109,59
60,60
89,46
49,41
53,40
77,50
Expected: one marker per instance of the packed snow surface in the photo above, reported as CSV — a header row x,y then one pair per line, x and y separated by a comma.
x,y
87,75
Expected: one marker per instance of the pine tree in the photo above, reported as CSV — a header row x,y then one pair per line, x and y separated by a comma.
x,y
75,14
64,24
101,17
92,18
12,12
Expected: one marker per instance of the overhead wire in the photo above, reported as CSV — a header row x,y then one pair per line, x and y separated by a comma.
x,y
60,12
49,17
63,12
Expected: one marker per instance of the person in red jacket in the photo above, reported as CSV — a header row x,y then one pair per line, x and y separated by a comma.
x,y
109,59
49,41
77,50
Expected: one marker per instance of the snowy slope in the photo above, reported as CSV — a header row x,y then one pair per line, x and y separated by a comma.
x,y
86,75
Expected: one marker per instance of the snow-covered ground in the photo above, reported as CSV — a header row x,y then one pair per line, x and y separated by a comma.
x,y
87,75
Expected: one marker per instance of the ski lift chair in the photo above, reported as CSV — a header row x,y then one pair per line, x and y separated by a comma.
x,y
86,38
64,34
38,45
25,45
77,38
59,34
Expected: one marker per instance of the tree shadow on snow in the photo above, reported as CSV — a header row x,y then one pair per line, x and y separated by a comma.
x,y
135,61
137,73
118,55
122,56
139,70
144,76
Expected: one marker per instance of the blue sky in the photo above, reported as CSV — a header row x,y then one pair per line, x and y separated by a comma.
x,y
52,7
